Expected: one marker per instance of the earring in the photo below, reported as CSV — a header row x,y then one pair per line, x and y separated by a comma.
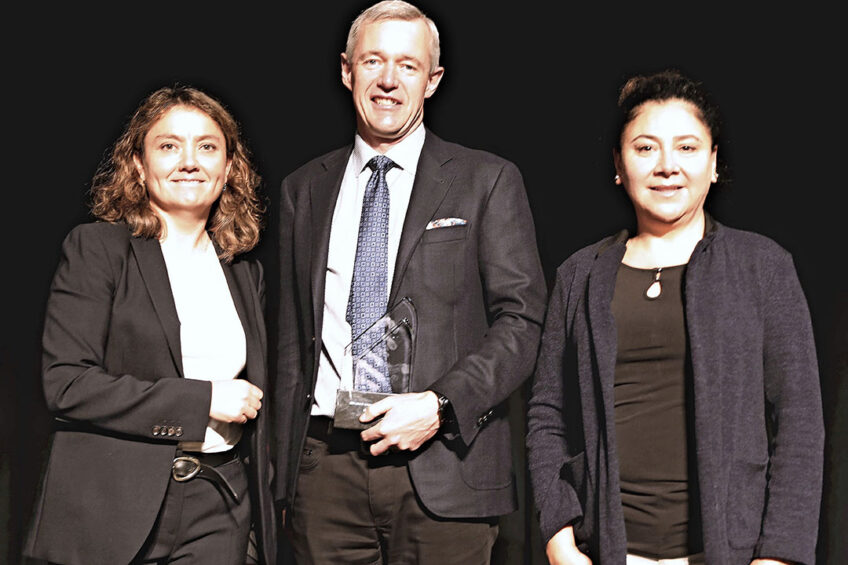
x,y
225,188
617,179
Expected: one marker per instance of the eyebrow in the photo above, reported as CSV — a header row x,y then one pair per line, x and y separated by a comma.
x,y
181,138
382,55
676,137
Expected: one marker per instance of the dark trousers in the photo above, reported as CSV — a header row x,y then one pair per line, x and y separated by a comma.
x,y
198,523
351,507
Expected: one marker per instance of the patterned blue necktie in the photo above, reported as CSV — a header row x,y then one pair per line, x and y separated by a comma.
x,y
368,288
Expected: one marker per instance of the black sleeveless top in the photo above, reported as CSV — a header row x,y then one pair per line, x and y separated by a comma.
x,y
654,416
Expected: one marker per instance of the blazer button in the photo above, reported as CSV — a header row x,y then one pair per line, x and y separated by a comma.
x,y
172,430
179,431
484,418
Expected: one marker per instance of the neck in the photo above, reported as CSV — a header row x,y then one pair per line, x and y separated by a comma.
x,y
187,233
382,145
664,245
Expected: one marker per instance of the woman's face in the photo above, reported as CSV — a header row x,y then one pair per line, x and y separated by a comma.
x,y
667,162
184,164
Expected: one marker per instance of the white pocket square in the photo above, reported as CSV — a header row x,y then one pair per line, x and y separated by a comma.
x,y
445,223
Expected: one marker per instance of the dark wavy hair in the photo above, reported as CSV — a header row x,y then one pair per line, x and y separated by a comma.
x,y
666,85
118,194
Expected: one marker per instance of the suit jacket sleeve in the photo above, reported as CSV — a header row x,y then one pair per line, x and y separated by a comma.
x,y
77,385
793,397
514,291
547,430
289,374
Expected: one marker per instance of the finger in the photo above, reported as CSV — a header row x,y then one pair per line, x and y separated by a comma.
x,y
372,433
374,410
380,447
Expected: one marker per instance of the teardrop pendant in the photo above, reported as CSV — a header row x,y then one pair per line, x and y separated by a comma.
x,y
655,289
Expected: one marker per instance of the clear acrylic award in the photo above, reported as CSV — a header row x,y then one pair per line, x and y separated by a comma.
x,y
382,365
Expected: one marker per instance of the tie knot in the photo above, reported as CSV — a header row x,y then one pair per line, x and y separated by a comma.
x,y
381,163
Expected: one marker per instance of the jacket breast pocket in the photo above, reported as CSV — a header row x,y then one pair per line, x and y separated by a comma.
x,y
437,265
447,233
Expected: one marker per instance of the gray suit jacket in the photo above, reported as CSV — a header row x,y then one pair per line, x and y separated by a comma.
x,y
480,296
113,377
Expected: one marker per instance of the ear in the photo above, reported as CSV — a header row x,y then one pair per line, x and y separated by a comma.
x,y
714,163
619,170
139,167
347,78
433,81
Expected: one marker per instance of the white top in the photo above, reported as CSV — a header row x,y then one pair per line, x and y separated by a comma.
x,y
211,335
342,253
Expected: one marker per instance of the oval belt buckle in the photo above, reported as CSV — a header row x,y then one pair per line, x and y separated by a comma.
x,y
182,463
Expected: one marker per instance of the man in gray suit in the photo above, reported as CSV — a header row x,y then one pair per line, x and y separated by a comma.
x,y
450,229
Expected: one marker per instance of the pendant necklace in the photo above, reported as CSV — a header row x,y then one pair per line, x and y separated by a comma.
x,y
655,289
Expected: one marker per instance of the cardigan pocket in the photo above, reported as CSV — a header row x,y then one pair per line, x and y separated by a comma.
x,y
573,472
746,493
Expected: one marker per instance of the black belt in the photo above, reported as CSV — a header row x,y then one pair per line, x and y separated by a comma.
x,y
190,465
340,440
320,427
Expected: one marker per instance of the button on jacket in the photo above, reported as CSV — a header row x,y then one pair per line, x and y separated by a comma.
x,y
112,373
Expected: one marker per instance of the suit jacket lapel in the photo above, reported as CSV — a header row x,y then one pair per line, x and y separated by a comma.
x,y
245,298
602,278
433,179
324,191
154,273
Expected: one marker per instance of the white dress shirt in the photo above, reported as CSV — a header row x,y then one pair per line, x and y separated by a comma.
x,y
211,335
334,367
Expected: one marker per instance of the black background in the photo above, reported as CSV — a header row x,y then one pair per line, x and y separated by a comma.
x,y
532,82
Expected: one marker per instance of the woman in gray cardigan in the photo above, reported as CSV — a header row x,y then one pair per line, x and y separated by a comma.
x,y
676,409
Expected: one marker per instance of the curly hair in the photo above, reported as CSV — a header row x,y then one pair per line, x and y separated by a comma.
x,y
119,195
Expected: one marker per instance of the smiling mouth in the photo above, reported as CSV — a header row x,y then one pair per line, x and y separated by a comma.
x,y
665,188
386,102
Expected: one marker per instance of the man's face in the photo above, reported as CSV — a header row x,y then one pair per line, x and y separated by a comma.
x,y
389,76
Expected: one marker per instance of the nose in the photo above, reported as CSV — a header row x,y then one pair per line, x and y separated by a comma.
x,y
666,163
189,160
388,77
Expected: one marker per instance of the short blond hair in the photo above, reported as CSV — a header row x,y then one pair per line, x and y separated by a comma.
x,y
393,10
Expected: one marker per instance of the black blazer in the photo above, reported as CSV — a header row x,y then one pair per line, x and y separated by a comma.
x,y
112,373
480,296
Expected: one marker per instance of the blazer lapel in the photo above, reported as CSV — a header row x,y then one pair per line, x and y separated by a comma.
x,y
245,298
433,179
602,278
324,191
154,273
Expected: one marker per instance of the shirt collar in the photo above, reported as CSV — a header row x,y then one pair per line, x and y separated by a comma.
x,y
405,153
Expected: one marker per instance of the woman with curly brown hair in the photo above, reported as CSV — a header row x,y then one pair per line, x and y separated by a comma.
x,y
154,353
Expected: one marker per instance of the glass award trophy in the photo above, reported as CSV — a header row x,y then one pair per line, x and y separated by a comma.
x,y
382,365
